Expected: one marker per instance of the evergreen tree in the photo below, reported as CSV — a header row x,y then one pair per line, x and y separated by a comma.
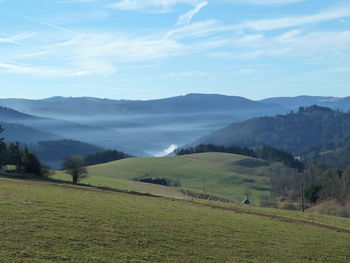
x,y
31,163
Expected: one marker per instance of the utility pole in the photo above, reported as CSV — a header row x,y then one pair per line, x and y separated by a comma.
x,y
301,174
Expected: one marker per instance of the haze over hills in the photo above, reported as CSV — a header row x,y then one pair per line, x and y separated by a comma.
x,y
39,132
144,128
18,132
54,152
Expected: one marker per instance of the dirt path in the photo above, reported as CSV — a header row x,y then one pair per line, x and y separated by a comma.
x,y
280,218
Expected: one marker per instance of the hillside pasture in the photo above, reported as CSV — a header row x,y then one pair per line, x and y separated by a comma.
x,y
49,222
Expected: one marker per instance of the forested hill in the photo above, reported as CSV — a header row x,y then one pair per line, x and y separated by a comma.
x,y
294,132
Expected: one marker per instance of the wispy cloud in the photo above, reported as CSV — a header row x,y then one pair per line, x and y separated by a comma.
x,y
77,1
265,2
186,18
203,28
181,75
40,71
339,70
68,17
294,21
141,4
99,53
298,43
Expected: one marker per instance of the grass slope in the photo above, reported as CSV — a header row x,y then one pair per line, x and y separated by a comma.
x,y
46,222
223,174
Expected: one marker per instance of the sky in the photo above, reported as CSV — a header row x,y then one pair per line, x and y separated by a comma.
x,y
138,49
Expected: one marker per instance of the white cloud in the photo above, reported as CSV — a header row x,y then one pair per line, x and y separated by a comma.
x,y
122,48
77,1
265,2
101,53
296,43
339,70
40,71
67,53
141,4
186,18
203,28
167,150
294,21
68,17
190,74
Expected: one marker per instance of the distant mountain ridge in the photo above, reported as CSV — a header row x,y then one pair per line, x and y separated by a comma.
x,y
85,106
294,103
8,114
190,103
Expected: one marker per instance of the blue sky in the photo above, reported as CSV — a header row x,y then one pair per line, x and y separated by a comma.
x,y
135,49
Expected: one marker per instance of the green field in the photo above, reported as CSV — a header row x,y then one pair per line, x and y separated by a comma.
x,y
227,175
47,222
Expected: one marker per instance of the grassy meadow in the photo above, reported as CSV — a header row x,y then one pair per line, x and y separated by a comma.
x,y
227,175
48,222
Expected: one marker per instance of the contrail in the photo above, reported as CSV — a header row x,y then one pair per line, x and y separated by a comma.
x,y
13,39
47,24
42,23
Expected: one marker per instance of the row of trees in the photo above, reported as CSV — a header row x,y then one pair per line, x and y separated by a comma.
x,y
272,154
106,157
317,182
20,157
267,153
201,148
323,183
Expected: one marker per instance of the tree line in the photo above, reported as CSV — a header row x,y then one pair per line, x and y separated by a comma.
x,y
19,156
202,148
26,162
267,153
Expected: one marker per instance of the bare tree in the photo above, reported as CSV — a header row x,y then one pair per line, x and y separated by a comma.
x,y
75,166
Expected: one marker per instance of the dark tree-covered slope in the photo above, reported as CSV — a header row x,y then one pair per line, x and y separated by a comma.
x,y
106,157
17,132
55,152
294,132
